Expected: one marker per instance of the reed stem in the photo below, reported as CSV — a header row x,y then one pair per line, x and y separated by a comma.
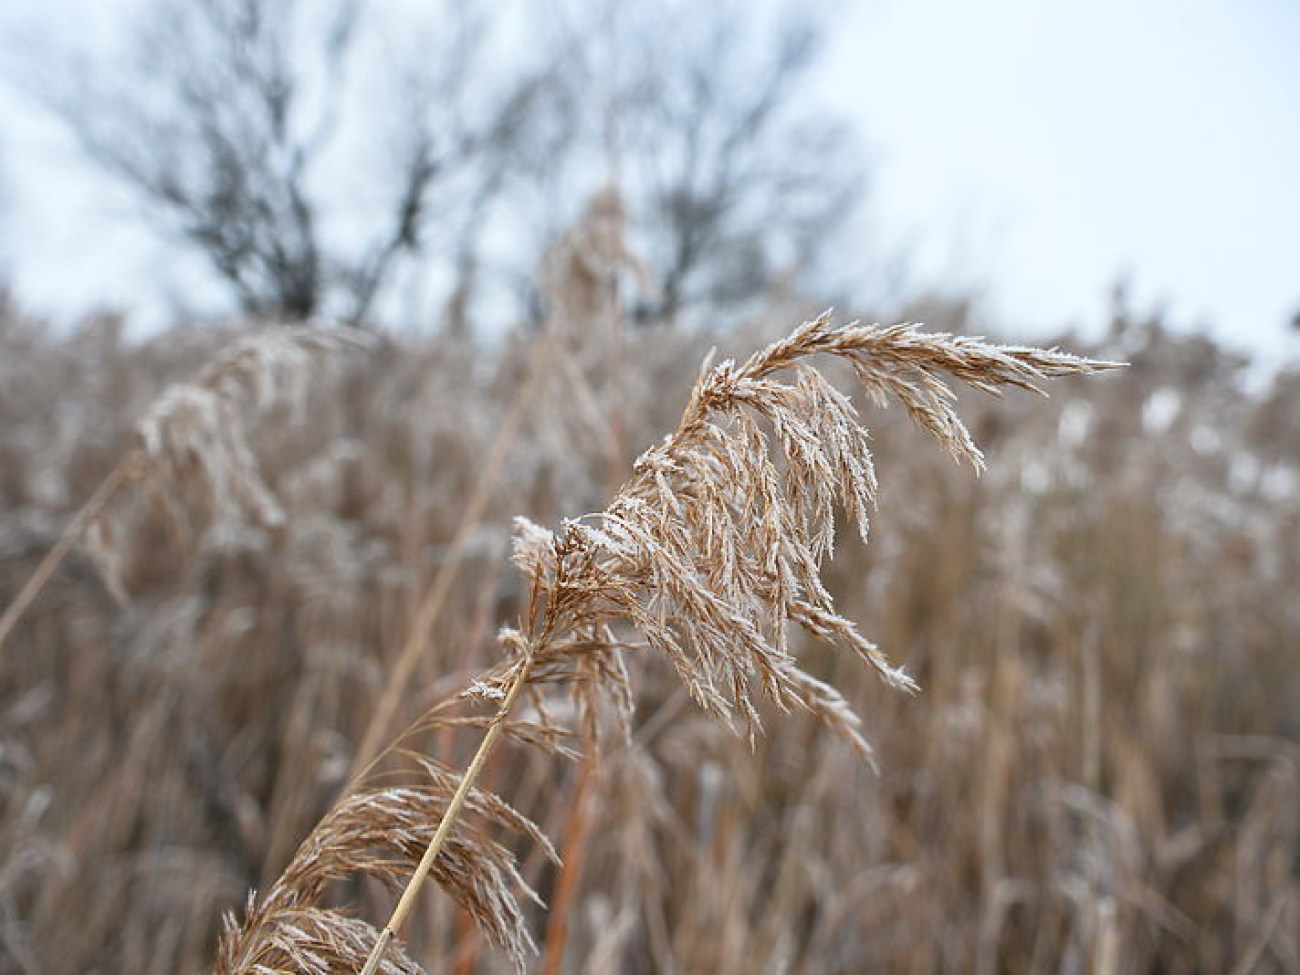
x,y
107,490
407,900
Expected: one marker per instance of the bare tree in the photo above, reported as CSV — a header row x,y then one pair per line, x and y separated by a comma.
x,y
238,123
226,117
734,177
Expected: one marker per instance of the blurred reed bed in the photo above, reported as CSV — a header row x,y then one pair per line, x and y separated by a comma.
x,y
1102,772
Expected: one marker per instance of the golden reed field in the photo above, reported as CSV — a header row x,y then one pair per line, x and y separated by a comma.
x,y
301,575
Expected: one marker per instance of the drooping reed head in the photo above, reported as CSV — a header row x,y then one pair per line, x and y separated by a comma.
x,y
710,554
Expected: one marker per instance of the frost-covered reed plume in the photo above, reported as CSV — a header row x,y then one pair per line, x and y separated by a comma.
x,y
193,439
195,431
706,555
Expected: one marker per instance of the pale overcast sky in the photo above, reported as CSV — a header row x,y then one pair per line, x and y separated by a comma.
x,y
1035,149
1043,147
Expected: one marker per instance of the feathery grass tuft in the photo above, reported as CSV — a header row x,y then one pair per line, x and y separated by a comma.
x,y
196,430
708,553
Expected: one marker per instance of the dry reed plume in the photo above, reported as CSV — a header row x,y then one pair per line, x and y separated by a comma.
x,y
193,439
708,553
1104,768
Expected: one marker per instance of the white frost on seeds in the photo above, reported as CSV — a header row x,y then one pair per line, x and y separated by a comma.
x,y
490,692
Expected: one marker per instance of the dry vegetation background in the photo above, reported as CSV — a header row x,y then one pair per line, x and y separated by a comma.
x,y
309,545
1102,772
